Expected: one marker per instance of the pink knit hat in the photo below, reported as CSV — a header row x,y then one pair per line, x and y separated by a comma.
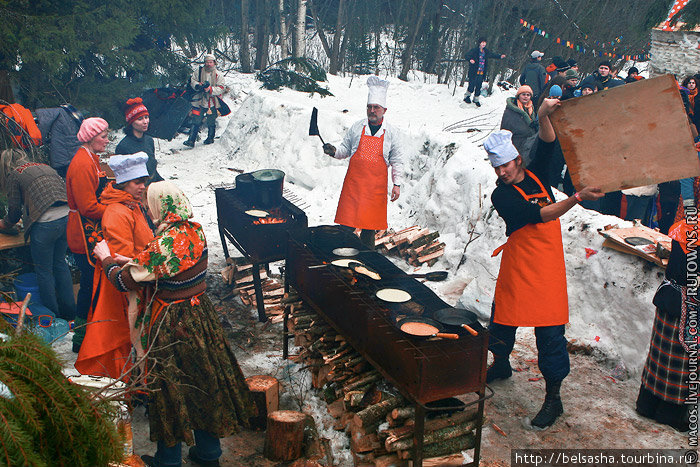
x,y
522,89
91,127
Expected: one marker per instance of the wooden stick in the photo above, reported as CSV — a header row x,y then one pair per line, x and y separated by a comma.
x,y
22,311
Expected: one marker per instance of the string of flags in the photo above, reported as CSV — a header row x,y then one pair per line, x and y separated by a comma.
x,y
582,49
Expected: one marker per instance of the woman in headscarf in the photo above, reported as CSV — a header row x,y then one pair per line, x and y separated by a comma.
x,y
107,345
85,181
665,388
520,119
136,139
197,391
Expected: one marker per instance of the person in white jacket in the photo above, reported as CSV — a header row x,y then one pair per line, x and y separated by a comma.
x,y
373,146
209,83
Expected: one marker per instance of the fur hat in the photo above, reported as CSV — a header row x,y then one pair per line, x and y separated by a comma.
x,y
91,127
134,110
572,63
500,147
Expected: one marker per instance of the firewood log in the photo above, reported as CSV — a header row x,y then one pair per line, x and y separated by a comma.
x,y
265,394
450,446
375,413
284,439
430,256
437,436
390,460
366,379
403,412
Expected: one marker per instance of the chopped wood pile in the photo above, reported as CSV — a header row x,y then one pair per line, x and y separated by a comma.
x,y
416,245
239,273
379,421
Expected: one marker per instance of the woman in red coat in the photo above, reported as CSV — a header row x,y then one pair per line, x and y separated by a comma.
x,y
84,184
105,350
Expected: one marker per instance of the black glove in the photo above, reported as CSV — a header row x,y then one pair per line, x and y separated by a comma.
x,y
205,85
329,149
198,87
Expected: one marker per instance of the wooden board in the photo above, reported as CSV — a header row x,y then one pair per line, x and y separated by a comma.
x,y
615,239
629,136
11,241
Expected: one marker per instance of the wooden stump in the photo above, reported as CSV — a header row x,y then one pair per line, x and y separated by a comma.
x,y
265,394
284,439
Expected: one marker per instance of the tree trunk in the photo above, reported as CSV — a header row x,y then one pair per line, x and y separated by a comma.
x,y
283,30
262,32
336,39
245,42
299,44
265,394
408,51
319,29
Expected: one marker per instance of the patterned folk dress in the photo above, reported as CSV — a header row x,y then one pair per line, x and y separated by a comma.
x,y
193,377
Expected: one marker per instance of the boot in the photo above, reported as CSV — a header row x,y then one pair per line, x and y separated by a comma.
x,y
194,458
552,407
210,136
476,101
499,369
467,99
194,131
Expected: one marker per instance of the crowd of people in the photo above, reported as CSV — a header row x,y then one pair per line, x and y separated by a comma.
x,y
141,314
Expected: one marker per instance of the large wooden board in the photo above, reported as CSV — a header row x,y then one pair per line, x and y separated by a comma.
x,y
615,239
11,241
629,136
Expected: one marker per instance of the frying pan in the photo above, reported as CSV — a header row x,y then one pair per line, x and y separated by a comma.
x,y
457,317
435,276
421,320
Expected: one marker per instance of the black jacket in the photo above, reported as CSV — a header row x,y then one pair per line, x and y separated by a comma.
x,y
131,145
603,83
535,76
523,127
473,54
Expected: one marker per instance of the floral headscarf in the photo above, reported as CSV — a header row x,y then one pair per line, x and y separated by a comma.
x,y
179,243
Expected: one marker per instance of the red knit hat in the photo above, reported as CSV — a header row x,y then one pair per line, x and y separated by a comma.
x,y
134,110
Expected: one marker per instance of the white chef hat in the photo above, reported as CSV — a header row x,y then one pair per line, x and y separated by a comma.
x,y
500,147
129,167
377,91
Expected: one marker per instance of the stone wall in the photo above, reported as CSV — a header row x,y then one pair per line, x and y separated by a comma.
x,y
675,52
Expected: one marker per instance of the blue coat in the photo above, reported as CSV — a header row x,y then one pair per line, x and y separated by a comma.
x,y
59,129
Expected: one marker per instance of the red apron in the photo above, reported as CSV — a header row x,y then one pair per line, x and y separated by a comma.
x,y
363,199
531,285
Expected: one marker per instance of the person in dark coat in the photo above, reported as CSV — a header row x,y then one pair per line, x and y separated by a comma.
x,y
557,68
520,119
478,67
664,392
603,76
633,75
136,139
570,89
534,75
59,129
693,108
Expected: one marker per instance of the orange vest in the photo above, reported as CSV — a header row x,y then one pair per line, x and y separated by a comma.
x,y
363,199
21,124
531,285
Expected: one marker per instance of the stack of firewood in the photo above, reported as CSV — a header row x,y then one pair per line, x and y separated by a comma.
x,y
415,244
239,274
378,420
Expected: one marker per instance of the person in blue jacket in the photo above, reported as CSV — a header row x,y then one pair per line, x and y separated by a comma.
x,y
59,130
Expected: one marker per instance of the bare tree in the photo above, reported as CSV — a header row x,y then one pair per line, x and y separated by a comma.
x,y
282,29
299,43
262,33
413,35
335,59
245,42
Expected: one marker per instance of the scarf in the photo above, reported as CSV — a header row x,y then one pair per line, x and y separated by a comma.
x,y
111,195
527,108
179,243
691,100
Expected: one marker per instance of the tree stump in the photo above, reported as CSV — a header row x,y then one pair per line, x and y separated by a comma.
x,y
265,394
284,439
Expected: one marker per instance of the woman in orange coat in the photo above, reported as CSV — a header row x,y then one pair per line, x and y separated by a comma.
x,y
84,184
105,350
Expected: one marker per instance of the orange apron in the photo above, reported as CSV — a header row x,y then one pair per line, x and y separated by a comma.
x,y
363,199
531,285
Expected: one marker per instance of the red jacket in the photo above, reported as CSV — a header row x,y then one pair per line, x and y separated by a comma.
x,y
82,180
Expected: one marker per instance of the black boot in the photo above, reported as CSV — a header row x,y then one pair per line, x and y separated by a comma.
x,y
467,99
210,136
194,131
552,407
499,369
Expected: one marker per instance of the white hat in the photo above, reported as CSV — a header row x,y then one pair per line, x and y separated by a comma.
x,y
500,148
129,167
377,91
536,54
209,57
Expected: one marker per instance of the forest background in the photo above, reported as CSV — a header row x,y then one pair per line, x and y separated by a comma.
x,y
95,54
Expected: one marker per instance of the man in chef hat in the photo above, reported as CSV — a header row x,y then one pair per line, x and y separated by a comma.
x,y
531,284
372,145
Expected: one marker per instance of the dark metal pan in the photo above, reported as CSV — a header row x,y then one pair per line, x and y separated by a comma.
x,y
435,276
423,328
457,317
